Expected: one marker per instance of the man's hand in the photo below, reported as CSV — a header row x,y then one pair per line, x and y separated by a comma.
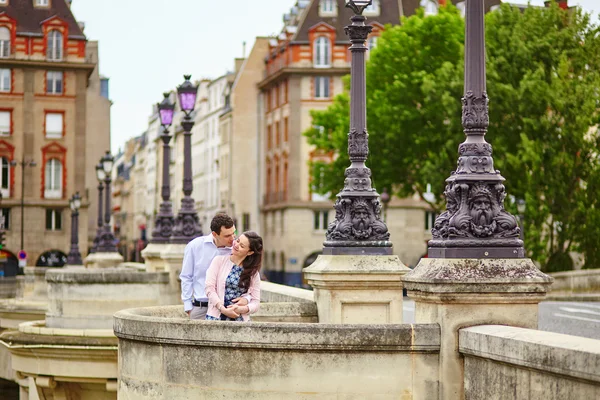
x,y
230,312
240,301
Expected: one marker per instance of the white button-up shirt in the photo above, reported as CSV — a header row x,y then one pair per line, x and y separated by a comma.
x,y
197,257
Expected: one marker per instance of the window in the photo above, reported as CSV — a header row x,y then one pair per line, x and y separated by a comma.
x,y
277,134
372,42
5,218
55,45
461,7
430,6
54,82
53,179
5,123
5,176
245,222
373,8
42,3
322,87
286,132
54,125
322,52
327,6
53,220
320,220
3,2
4,42
269,137
5,80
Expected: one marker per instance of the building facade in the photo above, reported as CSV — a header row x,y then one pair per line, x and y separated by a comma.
x,y
54,127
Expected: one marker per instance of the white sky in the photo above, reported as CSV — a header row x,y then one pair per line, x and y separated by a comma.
x,y
147,45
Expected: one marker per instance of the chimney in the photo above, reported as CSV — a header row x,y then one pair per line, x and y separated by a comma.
x,y
562,4
238,64
243,49
69,2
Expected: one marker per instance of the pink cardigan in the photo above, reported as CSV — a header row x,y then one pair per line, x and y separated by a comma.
x,y
216,275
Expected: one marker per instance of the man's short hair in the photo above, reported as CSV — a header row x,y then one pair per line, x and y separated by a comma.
x,y
219,221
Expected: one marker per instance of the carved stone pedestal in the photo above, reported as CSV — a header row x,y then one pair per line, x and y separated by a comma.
x,y
457,293
152,256
103,260
357,289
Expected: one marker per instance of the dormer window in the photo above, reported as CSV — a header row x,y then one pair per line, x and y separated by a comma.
x,y
55,46
372,9
328,8
3,2
4,42
322,52
430,6
42,3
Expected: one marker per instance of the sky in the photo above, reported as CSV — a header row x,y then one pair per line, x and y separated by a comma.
x,y
146,46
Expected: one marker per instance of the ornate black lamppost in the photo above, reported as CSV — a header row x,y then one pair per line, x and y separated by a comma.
x,y
358,228
475,223
187,224
23,163
74,257
163,226
105,239
100,176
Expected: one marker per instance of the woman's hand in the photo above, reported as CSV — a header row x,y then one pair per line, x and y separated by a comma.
x,y
240,301
239,309
230,311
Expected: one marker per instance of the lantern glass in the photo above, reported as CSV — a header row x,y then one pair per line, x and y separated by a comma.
x,y
72,204
107,163
166,117
77,201
187,101
100,174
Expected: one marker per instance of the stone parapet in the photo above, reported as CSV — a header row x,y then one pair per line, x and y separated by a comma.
x,y
459,293
84,298
583,285
533,364
356,289
164,355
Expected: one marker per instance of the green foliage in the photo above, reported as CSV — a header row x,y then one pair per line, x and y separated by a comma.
x,y
543,70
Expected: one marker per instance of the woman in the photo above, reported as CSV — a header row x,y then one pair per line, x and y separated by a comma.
x,y
230,277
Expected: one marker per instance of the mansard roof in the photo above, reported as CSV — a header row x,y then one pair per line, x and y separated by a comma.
x,y
30,18
389,14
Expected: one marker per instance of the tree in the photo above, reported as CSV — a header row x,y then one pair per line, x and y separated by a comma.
x,y
543,82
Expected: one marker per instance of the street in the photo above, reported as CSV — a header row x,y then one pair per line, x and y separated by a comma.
x,y
571,318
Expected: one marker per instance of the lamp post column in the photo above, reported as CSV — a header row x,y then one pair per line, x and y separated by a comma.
x,y
187,224
100,222
74,257
358,228
163,226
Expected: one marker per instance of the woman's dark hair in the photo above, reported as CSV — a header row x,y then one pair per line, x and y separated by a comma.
x,y
253,262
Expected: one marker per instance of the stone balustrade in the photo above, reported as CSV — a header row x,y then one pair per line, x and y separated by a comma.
x,y
503,362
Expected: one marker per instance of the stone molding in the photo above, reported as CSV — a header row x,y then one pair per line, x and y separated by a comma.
x,y
161,325
554,353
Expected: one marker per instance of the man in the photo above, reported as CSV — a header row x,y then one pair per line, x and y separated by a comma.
x,y
197,257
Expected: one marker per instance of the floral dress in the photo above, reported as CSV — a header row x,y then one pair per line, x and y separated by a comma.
x,y
232,291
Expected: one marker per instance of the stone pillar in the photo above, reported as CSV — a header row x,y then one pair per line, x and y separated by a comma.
x,y
103,260
153,256
357,289
172,257
458,293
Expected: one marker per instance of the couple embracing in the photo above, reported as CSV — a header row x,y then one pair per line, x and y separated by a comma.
x,y
220,275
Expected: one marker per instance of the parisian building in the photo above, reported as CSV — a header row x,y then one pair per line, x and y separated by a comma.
x,y
54,128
